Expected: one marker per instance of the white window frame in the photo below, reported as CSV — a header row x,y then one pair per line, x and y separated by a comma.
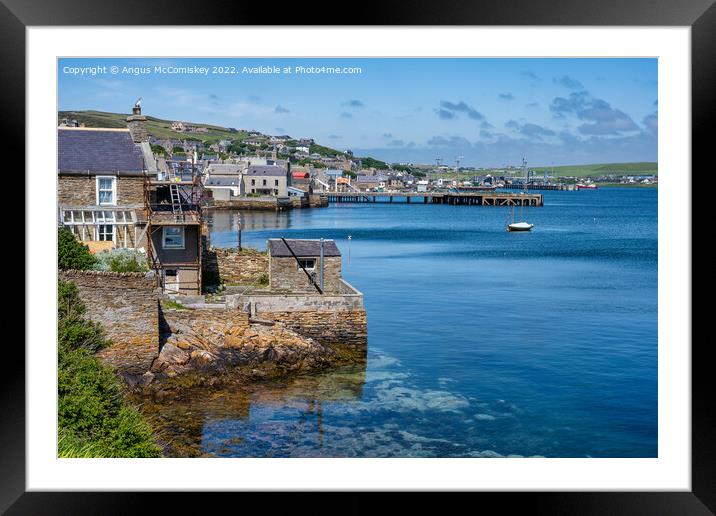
x,y
309,269
114,191
164,238
112,227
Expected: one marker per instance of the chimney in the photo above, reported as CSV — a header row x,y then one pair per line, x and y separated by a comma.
x,y
137,124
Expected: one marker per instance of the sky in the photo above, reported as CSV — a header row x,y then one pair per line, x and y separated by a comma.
x,y
484,112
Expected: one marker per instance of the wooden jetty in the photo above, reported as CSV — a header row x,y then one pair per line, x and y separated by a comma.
x,y
486,198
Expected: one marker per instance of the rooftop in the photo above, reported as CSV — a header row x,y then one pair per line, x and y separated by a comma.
x,y
225,168
93,151
302,248
223,181
266,170
370,179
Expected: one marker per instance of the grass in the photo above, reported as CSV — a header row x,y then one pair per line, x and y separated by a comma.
x,y
156,126
602,169
173,305
71,446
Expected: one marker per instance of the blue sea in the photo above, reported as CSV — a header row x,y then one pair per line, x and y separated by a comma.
x,y
481,342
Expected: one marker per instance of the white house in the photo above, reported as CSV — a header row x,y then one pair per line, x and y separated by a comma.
x,y
225,180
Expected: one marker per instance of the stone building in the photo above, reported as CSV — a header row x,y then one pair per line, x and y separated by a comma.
x,y
267,180
298,267
371,183
100,179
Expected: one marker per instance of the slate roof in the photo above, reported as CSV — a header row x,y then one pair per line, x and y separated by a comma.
x,y
218,169
266,170
223,181
93,151
370,179
302,248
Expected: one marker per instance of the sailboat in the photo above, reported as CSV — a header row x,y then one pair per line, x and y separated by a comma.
x,y
521,225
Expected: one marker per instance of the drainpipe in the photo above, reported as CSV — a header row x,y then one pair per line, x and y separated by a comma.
x,y
321,265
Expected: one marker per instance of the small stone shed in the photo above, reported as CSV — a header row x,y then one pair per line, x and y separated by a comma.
x,y
285,272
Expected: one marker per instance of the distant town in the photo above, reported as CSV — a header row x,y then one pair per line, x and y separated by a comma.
x,y
241,163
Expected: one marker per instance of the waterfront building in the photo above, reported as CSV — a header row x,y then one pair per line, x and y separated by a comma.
x,y
296,265
267,180
370,183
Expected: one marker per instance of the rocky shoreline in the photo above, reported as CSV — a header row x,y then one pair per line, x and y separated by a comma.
x,y
199,352
202,360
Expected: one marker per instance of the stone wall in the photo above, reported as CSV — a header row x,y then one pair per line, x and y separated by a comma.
x,y
273,302
328,327
82,190
126,304
201,320
246,203
284,274
234,266
317,201
329,319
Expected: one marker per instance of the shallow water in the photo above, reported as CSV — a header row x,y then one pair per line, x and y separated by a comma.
x,y
481,342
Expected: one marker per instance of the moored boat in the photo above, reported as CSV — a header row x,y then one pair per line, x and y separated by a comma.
x,y
520,226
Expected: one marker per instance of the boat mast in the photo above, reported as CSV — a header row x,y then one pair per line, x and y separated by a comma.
x,y
524,184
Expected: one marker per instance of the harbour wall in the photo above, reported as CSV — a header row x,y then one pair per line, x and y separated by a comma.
x,y
329,319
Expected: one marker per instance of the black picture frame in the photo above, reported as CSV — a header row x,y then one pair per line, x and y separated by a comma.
x,y
700,15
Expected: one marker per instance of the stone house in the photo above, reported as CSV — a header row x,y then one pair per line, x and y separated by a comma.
x,y
370,183
267,180
298,267
100,183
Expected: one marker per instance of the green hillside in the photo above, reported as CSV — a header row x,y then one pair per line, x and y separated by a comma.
x,y
156,126
602,169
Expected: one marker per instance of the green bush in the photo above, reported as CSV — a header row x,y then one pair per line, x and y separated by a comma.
x,y
92,415
158,149
68,300
263,279
93,418
73,331
87,393
71,253
121,260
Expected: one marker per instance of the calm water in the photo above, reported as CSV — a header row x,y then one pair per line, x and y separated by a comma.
x,y
481,342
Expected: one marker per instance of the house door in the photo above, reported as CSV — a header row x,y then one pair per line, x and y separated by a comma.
x,y
171,280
